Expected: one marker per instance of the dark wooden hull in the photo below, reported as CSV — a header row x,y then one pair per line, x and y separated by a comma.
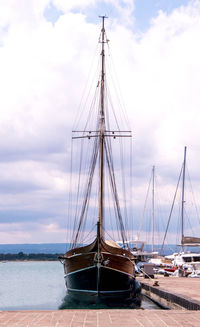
x,y
108,278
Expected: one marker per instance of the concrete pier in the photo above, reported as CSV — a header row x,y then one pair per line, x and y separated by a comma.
x,y
173,292
100,318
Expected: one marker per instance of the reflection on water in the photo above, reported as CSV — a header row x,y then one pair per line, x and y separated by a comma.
x,y
71,303
148,304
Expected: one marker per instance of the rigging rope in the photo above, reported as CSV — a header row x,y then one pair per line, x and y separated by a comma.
x,y
197,212
171,210
88,190
145,205
114,189
84,190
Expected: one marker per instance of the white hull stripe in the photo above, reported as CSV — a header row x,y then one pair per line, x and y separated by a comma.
x,y
76,271
108,253
122,272
104,292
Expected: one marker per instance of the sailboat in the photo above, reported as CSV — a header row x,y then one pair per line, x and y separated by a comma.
x,y
101,271
186,240
137,245
142,256
183,258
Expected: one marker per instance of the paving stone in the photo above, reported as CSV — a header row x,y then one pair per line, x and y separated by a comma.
x,y
101,318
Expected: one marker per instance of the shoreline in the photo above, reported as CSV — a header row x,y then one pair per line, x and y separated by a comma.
x,y
21,256
31,260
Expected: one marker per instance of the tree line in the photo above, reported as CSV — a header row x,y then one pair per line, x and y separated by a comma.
x,y
31,256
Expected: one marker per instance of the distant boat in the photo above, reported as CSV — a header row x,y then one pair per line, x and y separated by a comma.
x,y
138,245
183,258
102,270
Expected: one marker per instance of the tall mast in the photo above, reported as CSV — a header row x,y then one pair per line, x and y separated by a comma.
x,y
153,181
183,200
101,134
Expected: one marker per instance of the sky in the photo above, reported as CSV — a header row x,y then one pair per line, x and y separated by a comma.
x,y
46,49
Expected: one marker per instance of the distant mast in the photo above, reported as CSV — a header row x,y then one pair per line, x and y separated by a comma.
x,y
183,201
153,220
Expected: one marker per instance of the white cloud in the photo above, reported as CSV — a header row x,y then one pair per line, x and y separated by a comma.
x,y
43,71
163,82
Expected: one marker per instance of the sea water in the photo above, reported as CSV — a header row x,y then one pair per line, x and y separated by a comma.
x,y
31,285
35,285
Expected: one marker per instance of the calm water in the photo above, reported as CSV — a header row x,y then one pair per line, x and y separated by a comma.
x,y
31,285
35,286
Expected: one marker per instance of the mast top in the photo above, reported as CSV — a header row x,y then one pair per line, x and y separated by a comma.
x,y
103,18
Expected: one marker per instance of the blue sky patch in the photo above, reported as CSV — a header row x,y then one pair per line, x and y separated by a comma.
x,y
142,15
146,10
52,14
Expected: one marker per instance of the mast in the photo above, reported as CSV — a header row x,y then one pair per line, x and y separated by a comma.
x,y
183,201
101,135
153,181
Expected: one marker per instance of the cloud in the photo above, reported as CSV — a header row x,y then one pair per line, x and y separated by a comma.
x,y
122,10
44,64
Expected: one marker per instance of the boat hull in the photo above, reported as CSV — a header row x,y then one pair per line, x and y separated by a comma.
x,y
110,281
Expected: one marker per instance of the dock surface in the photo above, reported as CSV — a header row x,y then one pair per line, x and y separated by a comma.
x,y
187,287
100,318
182,291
